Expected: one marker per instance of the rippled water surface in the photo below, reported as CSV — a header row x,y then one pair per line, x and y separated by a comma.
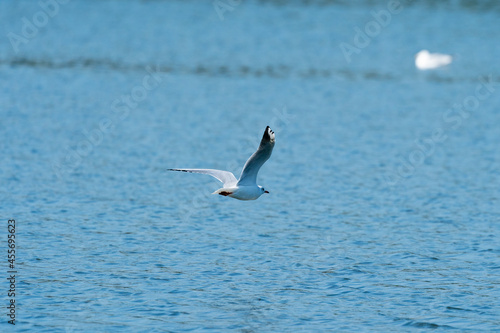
x,y
384,208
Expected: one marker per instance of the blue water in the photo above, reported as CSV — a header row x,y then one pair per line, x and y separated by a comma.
x,y
384,208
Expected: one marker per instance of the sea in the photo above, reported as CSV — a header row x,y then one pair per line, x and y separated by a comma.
x,y
384,206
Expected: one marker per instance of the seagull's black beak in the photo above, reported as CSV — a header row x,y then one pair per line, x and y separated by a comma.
x,y
266,191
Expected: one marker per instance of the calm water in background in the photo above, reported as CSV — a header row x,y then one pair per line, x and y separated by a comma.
x,y
369,226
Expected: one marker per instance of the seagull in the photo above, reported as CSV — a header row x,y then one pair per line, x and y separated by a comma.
x,y
246,187
425,60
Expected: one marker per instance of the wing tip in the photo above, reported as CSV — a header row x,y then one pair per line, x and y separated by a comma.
x,y
177,170
268,134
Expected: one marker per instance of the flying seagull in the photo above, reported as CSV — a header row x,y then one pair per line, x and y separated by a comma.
x,y
246,187
425,60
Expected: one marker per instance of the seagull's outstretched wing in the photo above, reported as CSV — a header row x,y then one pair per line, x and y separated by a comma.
x,y
226,177
252,166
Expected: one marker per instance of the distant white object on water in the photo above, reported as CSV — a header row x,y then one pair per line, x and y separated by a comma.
x,y
425,60
246,187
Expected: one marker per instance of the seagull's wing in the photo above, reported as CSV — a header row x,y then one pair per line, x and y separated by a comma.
x,y
252,166
226,177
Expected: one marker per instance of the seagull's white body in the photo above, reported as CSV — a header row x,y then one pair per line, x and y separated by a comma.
x,y
425,60
246,187
242,192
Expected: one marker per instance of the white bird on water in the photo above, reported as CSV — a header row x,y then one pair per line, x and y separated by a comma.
x,y
425,60
246,187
